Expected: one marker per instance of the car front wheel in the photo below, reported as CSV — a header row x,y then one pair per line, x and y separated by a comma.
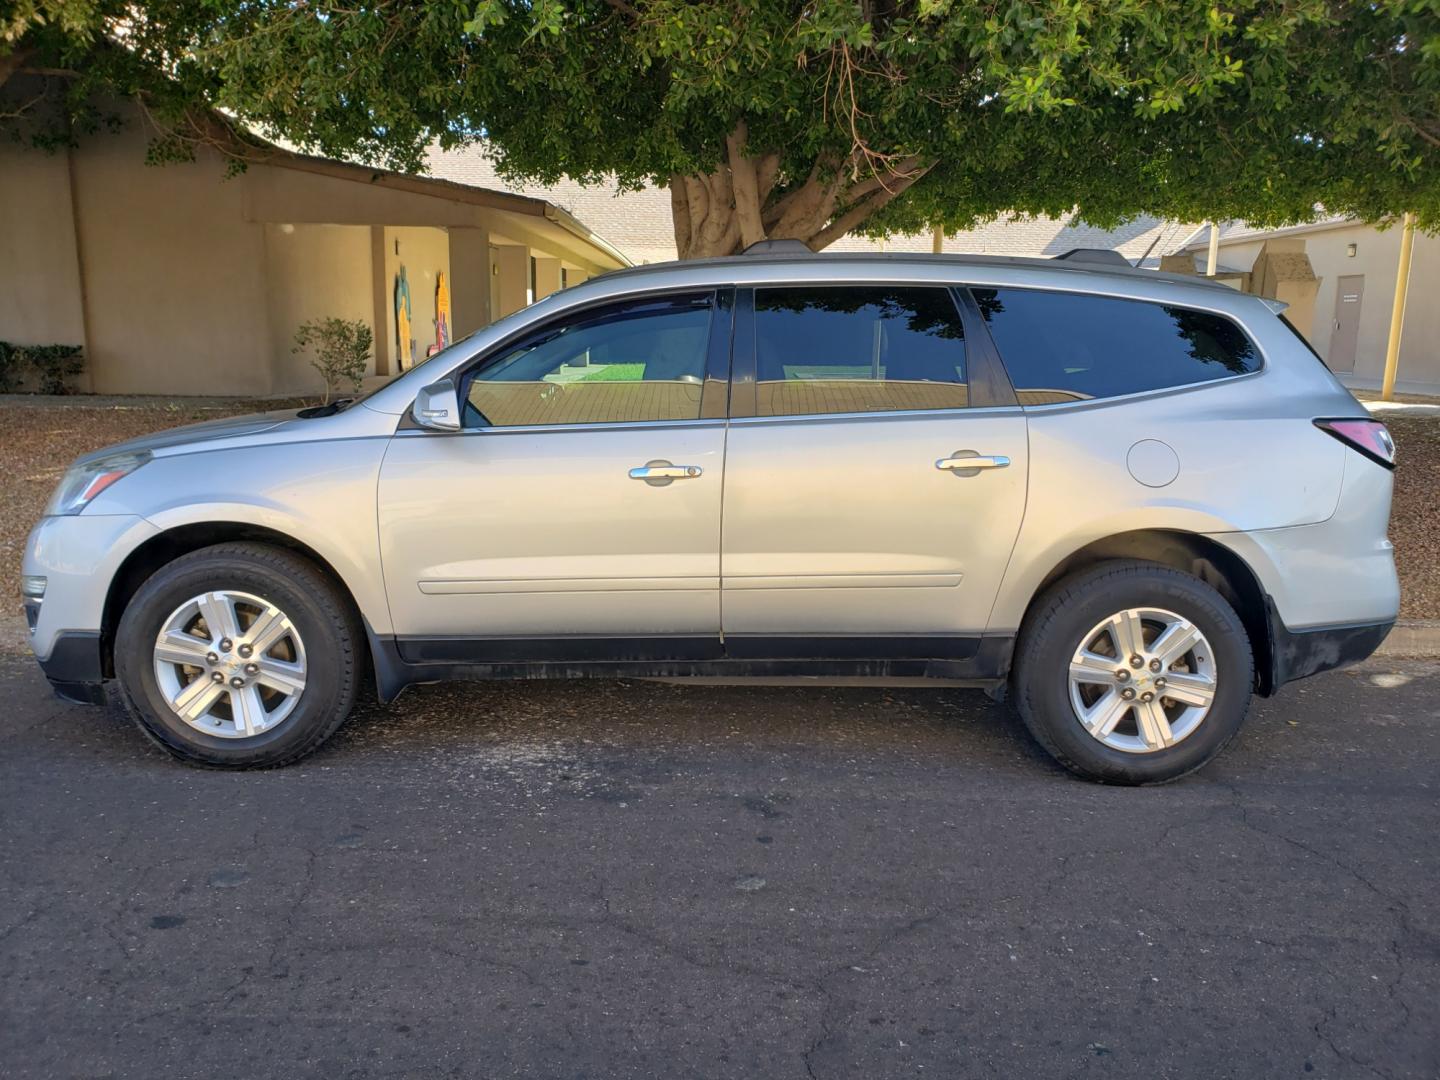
x,y
239,655
1133,673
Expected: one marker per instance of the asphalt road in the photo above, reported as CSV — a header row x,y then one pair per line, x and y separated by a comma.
x,y
616,880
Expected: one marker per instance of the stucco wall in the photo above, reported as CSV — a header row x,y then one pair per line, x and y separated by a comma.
x,y
1377,256
181,280
313,272
424,253
40,287
174,282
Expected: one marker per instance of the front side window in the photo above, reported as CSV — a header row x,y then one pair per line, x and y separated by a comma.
x,y
636,361
1061,347
846,349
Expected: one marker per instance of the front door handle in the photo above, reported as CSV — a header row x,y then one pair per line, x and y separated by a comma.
x,y
659,473
962,461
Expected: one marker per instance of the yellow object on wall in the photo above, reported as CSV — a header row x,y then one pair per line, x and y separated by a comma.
x,y
442,312
404,342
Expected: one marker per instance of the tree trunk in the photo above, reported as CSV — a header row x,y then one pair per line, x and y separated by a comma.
x,y
724,212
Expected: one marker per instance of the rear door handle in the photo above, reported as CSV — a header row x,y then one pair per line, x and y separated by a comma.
x,y
962,460
660,473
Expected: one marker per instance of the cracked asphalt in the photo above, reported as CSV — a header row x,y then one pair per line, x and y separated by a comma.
x,y
634,880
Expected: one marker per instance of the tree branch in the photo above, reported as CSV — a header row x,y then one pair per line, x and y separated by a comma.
x,y
680,215
862,210
697,196
885,180
781,206
721,229
745,187
624,9
807,216
767,169
12,62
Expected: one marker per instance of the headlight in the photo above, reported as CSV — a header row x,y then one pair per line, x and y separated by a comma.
x,y
83,482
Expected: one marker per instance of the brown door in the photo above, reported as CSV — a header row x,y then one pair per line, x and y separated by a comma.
x,y
1349,292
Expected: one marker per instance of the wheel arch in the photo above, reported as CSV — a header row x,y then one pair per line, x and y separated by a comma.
x,y
164,547
1192,553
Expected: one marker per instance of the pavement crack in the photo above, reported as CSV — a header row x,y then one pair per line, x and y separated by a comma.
x,y
287,925
829,1020
1398,908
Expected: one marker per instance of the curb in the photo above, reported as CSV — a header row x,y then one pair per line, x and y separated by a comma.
x,y
1415,639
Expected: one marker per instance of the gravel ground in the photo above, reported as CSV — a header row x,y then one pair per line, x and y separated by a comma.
x,y
1415,517
40,436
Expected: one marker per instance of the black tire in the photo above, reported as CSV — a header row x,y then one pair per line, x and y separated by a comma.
x,y
321,615
1066,613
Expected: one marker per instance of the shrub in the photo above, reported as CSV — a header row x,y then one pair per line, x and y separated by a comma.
x,y
55,365
342,350
12,358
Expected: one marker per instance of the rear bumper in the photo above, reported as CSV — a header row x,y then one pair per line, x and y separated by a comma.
x,y
1297,654
75,668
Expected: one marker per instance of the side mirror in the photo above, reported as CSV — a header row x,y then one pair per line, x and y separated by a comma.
x,y
437,406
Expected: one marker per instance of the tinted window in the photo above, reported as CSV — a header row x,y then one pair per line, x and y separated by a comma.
x,y
1071,347
642,360
857,349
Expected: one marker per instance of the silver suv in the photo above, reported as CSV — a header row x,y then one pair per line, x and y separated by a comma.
x,y
1132,499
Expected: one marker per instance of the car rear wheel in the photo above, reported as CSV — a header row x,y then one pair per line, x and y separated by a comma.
x,y
1133,673
239,655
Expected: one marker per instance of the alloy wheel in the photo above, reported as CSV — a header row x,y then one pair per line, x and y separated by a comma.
x,y
1142,680
230,664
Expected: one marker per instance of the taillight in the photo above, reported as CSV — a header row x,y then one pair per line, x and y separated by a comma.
x,y
1370,437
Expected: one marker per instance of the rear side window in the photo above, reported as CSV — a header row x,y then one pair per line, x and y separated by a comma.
x,y
845,349
1062,347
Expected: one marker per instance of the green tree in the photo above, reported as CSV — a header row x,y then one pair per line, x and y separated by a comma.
x,y
809,120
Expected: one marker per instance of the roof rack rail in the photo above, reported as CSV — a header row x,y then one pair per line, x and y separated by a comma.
x,y
1104,256
778,247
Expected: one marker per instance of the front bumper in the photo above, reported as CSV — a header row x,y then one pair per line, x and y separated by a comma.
x,y
78,556
75,668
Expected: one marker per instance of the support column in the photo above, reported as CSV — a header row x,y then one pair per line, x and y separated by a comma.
x,y
512,267
1397,311
469,280
547,276
380,301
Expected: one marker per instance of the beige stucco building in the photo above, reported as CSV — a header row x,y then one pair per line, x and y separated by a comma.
x,y
1339,277
179,279
184,279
